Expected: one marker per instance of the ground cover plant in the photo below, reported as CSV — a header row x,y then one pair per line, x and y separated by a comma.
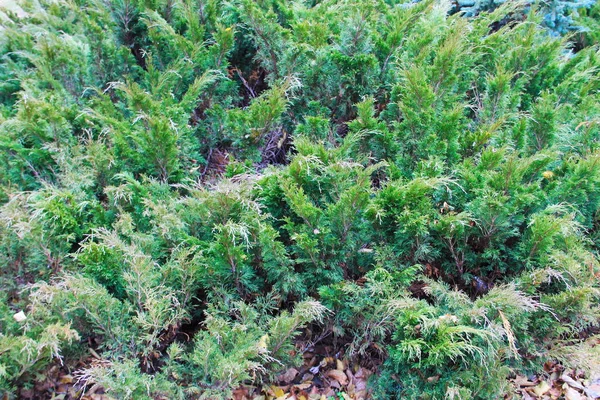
x,y
203,199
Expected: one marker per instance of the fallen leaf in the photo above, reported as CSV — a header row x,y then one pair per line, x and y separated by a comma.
x,y
360,394
277,391
95,387
303,386
240,394
350,375
593,390
96,355
288,376
362,373
572,394
20,316
307,377
326,360
554,393
351,389
522,381
360,380
338,375
526,395
339,365
571,382
541,388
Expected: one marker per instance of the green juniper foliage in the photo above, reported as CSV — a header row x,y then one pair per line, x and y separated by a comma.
x,y
188,188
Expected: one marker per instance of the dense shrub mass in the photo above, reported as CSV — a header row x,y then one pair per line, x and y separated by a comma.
x,y
190,187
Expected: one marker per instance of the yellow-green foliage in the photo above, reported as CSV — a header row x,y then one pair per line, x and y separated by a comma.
x,y
187,187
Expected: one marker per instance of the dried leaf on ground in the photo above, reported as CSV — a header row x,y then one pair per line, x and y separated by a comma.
x,y
572,394
338,375
541,388
288,376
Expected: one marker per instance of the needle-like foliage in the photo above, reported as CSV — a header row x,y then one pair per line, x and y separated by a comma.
x,y
193,192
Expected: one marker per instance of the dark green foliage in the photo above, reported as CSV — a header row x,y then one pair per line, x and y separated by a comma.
x,y
188,188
